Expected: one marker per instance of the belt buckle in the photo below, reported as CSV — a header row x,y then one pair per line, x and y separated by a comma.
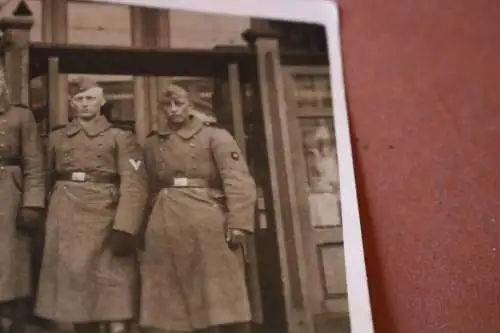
x,y
180,182
78,176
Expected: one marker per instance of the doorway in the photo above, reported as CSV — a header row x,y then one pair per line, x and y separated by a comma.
x,y
132,78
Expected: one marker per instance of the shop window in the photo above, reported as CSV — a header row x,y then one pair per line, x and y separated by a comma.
x,y
313,103
99,24
322,171
313,92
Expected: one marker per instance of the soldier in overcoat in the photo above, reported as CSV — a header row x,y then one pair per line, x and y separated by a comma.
x,y
203,203
22,200
89,271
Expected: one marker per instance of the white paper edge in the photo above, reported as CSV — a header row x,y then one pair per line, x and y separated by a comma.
x,y
326,13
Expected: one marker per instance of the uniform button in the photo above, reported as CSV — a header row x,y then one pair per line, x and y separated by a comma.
x,y
2,133
191,144
2,145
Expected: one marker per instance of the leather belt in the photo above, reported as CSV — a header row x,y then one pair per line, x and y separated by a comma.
x,y
186,182
10,161
87,177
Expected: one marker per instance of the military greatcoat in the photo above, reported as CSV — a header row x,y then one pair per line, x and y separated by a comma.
x,y
190,278
81,280
21,185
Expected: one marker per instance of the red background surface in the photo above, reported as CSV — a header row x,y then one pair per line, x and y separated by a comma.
x,y
423,90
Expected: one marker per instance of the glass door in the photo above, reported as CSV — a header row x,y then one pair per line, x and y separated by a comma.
x,y
311,128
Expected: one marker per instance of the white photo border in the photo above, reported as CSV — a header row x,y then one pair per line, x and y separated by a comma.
x,y
326,13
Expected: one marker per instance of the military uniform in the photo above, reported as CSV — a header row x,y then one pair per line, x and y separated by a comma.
x,y
100,190
22,184
191,279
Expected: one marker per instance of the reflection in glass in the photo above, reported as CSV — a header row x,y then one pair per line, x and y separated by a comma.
x,y
322,171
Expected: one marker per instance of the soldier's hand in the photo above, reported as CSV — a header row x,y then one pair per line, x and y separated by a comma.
x,y
235,238
122,243
30,219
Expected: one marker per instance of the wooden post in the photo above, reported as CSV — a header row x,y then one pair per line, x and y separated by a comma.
x,y
16,33
162,40
141,98
148,23
288,232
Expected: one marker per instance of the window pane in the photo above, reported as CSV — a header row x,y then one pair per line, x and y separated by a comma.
x,y
313,91
322,171
36,31
314,103
99,24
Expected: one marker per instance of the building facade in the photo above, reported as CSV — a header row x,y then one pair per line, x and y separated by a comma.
x,y
102,24
271,91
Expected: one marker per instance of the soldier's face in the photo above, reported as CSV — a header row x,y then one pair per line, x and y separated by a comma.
x,y
87,104
177,110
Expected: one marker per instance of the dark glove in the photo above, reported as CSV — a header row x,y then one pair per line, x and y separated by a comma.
x,y
122,243
30,219
235,238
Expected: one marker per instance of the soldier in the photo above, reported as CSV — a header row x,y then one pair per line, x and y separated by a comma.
x,y
22,199
203,201
89,275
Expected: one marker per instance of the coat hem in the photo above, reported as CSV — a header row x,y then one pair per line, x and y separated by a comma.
x,y
81,320
176,329
5,299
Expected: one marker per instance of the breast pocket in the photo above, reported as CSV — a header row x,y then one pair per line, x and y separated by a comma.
x,y
64,156
102,153
162,166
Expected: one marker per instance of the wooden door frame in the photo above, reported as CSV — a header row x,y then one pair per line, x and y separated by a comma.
x,y
137,61
323,313
287,216
300,167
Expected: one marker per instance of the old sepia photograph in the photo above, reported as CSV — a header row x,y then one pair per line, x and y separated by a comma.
x,y
175,170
